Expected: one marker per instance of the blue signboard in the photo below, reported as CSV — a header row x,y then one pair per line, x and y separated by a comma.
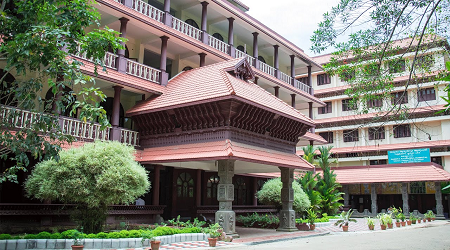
x,y
409,156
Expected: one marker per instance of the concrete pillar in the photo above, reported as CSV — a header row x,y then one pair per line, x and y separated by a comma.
x,y
204,24
226,217
405,198
277,91
167,15
163,61
292,69
373,196
311,114
310,79
115,117
346,195
275,60
256,80
121,60
439,206
198,197
293,100
287,214
231,37
202,59
156,185
255,49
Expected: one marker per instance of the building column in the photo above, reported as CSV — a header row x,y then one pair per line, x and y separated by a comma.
x,y
115,116
276,61
164,78
346,194
226,217
256,80
405,198
204,24
167,15
292,69
255,190
198,197
121,61
255,49
310,110
373,196
156,185
231,37
439,206
287,214
310,79
277,91
202,59
293,100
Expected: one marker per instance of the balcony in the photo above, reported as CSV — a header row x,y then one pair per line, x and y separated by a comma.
x,y
82,131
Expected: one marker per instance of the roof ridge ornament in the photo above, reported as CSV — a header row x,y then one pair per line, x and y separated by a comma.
x,y
242,70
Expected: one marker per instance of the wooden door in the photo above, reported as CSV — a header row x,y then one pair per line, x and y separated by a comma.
x,y
184,192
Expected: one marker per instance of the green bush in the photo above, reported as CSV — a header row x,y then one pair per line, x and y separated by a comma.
x,y
160,231
91,236
30,236
259,220
56,236
124,234
17,237
135,233
270,194
44,235
5,236
190,230
102,235
68,234
114,235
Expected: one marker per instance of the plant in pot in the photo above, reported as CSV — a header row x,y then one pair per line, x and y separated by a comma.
x,y
371,223
413,218
214,231
154,243
77,237
344,219
311,216
398,220
430,215
383,218
402,218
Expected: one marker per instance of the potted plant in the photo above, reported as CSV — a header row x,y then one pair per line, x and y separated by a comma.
x,y
430,215
398,219
154,243
77,237
312,216
383,220
371,223
413,218
402,218
214,231
344,219
389,221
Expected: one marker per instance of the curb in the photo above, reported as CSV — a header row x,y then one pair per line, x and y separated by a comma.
x,y
284,239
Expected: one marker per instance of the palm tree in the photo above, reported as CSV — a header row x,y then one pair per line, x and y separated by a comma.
x,y
309,154
309,183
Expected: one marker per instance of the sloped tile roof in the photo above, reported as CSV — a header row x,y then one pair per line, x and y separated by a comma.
x,y
314,137
213,83
221,150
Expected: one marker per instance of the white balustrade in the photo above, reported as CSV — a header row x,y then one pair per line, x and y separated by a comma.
x,y
250,59
129,137
109,60
17,117
84,130
267,69
303,87
218,45
186,28
240,54
148,10
143,71
285,78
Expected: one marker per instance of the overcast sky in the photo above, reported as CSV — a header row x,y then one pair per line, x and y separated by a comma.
x,y
294,19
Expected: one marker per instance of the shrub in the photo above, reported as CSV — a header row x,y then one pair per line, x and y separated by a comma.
x,y
30,236
5,236
190,230
135,233
270,194
56,236
44,235
260,220
114,235
160,231
91,236
102,235
68,234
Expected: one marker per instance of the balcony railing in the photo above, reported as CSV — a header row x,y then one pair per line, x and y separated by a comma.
x,y
267,69
285,78
186,29
84,130
143,71
129,137
109,60
17,117
148,10
303,87
250,59
218,45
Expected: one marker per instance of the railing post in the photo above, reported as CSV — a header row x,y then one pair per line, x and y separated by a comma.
x,y
255,49
164,78
275,61
121,62
204,24
293,100
167,15
310,109
128,3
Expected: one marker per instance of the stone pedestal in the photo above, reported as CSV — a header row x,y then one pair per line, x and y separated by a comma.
x,y
439,206
226,217
287,214
405,198
373,196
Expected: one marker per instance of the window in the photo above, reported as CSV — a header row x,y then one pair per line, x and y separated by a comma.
x,y
218,36
192,23
377,102
424,62
261,59
241,48
347,105
376,133
378,162
328,136
304,80
347,74
211,186
351,135
399,97
427,94
396,66
403,130
437,160
323,79
325,110
185,186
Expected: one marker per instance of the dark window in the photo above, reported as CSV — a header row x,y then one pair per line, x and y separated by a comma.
x,y
376,133
437,160
347,74
211,186
240,191
347,105
427,94
304,80
351,155
7,89
424,62
185,186
328,136
261,59
351,135
376,102
417,188
154,60
192,23
378,162
396,66
403,130
108,107
323,79
399,97
325,110
218,36
187,68
241,48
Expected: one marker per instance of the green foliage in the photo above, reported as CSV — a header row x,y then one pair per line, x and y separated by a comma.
x,y
102,235
309,154
370,221
327,186
345,218
263,220
309,183
41,36
44,235
429,214
5,236
311,216
114,235
30,236
56,236
214,230
94,176
69,234
270,194
385,219
91,236
190,230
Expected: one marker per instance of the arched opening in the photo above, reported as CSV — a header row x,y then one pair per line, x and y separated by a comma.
x,y
108,107
185,186
187,68
218,36
261,59
68,98
241,48
7,89
192,23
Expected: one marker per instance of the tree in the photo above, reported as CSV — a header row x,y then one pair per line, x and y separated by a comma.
x,y
93,176
369,58
270,194
37,39
327,185
309,181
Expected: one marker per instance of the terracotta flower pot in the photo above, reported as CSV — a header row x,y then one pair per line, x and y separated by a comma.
x,y
155,244
345,228
413,221
371,227
77,247
383,227
419,220
429,219
212,242
433,219
312,227
397,224
403,223
424,220
409,222
302,226
390,226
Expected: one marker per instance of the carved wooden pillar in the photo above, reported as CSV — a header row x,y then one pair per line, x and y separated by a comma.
x,y
226,217
439,206
405,198
255,49
156,185
373,196
231,37
276,61
167,15
115,116
277,91
204,24
346,195
287,214
121,60
198,197
202,59
163,61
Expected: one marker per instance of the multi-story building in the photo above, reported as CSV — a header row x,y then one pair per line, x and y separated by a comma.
x,y
361,145
178,90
